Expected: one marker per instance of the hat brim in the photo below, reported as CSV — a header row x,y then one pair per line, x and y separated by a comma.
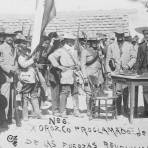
x,y
18,41
141,29
2,34
18,32
69,38
9,34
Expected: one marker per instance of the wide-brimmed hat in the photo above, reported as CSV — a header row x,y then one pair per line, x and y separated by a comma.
x,y
18,31
53,35
111,36
2,31
101,36
19,41
69,36
141,29
135,38
126,34
45,38
119,35
9,33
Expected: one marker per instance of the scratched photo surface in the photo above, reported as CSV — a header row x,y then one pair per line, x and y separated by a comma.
x,y
75,128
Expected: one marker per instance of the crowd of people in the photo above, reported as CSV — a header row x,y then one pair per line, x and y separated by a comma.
x,y
65,64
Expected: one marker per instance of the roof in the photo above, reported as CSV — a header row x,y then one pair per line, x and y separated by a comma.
x,y
91,22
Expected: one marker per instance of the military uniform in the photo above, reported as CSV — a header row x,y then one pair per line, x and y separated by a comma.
x,y
93,72
29,88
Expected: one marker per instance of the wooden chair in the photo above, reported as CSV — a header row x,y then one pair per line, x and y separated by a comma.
x,y
106,105
97,99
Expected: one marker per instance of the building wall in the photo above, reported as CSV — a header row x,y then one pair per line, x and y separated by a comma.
x,y
91,22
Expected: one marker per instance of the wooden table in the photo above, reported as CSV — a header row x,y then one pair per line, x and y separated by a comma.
x,y
131,81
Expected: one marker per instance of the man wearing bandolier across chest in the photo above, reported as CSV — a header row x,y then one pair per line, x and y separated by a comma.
x,y
65,58
28,82
92,72
142,64
53,74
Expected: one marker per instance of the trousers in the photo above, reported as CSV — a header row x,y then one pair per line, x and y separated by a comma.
x,y
33,98
55,95
66,89
125,101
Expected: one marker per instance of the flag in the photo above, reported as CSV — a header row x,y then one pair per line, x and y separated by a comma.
x,y
45,12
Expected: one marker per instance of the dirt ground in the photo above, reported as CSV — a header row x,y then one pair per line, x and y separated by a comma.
x,y
73,132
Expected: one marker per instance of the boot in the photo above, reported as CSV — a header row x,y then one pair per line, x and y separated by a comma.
x,y
64,114
17,118
35,104
25,110
119,101
77,114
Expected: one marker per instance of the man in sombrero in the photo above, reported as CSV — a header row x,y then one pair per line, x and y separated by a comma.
x,y
142,63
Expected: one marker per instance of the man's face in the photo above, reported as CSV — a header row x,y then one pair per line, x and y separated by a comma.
x,y
88,44
94,45
9,40
23,45
71,42
46,43
1,40
145,33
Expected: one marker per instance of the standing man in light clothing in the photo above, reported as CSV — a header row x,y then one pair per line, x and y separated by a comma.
x,y
124,56
65,59
8,67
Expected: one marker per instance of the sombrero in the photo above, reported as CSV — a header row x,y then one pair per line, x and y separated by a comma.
x,y
18,31
53,35
69,36
141,29
19,41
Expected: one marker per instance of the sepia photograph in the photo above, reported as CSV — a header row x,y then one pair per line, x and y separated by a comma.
x,y
74,74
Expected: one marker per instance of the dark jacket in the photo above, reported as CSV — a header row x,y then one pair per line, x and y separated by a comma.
x,y
142,58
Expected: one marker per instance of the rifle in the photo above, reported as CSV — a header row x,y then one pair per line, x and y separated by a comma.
x,y
16,111
77,39
103,69
29,31
22,27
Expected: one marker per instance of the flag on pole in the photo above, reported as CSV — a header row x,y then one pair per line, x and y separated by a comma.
x,y
45,12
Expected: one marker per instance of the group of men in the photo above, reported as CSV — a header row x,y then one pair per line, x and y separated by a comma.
x,y
64,64
125,56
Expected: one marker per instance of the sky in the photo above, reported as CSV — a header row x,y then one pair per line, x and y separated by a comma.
x,y
28,6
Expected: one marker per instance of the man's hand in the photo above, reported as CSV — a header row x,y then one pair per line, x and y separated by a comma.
x,y
86,82
63,68
52,41
14,69
126,67
40,66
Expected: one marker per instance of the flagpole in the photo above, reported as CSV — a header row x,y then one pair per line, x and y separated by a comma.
x,y
37,24
45,12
